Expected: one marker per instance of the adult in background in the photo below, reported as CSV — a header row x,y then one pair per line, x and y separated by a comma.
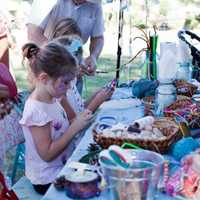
x,y
87,14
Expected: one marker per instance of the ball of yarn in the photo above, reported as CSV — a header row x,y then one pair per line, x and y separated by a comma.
x,y
144,87
183,147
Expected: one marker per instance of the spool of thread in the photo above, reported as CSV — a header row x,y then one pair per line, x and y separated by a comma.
x,y
145,121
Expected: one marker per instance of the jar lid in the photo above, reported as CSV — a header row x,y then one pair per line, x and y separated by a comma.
x,y
81,177
165,81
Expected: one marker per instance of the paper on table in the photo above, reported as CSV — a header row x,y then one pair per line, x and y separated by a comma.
x,y
167,66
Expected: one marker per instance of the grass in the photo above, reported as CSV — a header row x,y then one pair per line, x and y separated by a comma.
x,y
106,64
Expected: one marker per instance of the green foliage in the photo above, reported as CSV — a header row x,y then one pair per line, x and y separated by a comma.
x,y
164,7
197,2
191,22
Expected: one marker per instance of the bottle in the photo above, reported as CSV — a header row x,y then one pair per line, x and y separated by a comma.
x,y
183,71
165,95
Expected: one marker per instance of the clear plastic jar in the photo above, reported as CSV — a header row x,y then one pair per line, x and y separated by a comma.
x,y
165,95
184,71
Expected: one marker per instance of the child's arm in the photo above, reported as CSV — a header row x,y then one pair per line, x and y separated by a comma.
x,y
99,98
49,149
68,109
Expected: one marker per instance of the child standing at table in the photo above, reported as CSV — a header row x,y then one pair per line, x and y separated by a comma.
x,y
48,134
69,35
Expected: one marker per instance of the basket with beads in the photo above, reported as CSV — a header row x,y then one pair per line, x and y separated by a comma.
x,y
186,110
149,103
185,88
157,137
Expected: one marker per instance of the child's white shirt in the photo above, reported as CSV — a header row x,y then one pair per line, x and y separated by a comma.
x,y
38,113
74,98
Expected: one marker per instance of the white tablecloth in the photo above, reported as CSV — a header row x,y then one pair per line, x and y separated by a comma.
x,y
126,115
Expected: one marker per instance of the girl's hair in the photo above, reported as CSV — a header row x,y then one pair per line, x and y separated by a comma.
x,y
53,59
66,26
68,41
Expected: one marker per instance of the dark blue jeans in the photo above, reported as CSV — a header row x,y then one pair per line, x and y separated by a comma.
x,y
79,85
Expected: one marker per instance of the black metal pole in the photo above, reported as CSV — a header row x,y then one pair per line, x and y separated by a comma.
x,y
119,48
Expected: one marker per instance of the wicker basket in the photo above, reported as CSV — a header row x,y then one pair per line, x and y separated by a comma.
x,y
185,88
177,110
149,104
178,104
168,127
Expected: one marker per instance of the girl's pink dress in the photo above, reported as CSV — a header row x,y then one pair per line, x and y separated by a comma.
x,y
38,113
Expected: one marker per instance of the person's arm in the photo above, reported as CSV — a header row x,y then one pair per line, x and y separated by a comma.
x,y
96,41
49,149
36,34
68,109
96,46
103,95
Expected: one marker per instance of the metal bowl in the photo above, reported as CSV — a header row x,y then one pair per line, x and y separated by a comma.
x,y
137,182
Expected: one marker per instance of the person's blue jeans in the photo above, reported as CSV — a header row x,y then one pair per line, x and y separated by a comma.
x,y
79,85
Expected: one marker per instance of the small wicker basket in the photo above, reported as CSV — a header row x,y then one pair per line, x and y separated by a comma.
x,y
185,88
168,127
186,110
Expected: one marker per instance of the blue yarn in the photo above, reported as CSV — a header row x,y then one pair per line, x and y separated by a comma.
x,y
144,87
183,147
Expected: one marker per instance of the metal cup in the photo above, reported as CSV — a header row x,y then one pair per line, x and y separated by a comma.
x,y
137,183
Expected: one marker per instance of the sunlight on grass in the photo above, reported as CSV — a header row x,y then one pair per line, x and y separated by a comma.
x,y
107,67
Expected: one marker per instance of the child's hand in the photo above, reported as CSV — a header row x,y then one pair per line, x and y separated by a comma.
x,y
82,120
104,94
101,96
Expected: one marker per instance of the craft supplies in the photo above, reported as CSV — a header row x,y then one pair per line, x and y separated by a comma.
x,y
185,181
115,156
165,95
167,64
81,181
80,185
110,120
183,147
106,158
183,71
143,122
139,181
156,137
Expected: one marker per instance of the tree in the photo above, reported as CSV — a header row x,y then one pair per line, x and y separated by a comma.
x,y
197,2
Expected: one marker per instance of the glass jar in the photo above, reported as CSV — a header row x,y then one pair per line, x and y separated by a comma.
x,y
183,71
165,95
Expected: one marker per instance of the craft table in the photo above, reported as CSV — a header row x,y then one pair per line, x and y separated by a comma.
x,y
126,114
